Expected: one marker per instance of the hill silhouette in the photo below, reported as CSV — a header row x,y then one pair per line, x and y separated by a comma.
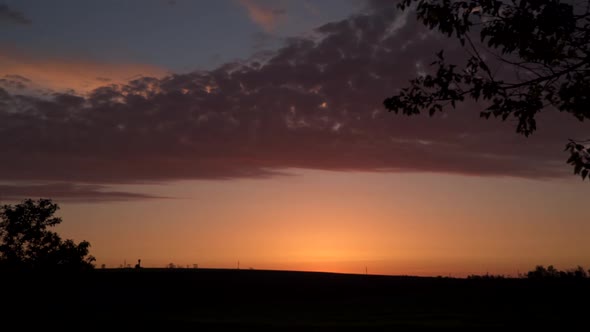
x,y
284,300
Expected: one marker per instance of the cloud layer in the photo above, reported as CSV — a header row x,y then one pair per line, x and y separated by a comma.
x,y
68,192
10,15
314,103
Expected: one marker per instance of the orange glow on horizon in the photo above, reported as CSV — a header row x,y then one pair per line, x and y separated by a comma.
x,y
343,222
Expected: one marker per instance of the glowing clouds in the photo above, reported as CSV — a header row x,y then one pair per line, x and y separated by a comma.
x,y
264,16
80,76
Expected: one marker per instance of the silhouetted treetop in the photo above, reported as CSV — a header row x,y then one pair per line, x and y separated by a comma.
x,y
26,242
523,56
540,272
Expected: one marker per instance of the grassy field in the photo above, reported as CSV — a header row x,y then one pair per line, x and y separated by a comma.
x,y
282,300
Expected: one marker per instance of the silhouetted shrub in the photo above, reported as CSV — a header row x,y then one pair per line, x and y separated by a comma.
x,y
26,242
540,272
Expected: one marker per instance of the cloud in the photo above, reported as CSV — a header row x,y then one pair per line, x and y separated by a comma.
x,y
311,8
68,192
262,14
262,40
313,104
12,16
14,82
60,75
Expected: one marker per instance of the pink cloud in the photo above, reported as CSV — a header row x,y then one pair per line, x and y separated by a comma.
x,y
262,14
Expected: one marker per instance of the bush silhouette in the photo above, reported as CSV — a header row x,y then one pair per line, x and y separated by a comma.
x,y
540,272
26,243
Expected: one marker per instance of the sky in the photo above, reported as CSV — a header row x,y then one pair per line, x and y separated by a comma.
x,y
212,132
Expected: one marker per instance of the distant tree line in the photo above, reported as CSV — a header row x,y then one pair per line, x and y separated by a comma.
x,y
540,272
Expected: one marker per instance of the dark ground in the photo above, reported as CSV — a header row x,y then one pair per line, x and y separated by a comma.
x,y
209,299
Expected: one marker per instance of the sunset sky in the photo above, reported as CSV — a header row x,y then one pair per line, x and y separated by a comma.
x,y
212,132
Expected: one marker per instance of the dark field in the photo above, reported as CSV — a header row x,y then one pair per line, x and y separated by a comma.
x,y
262,300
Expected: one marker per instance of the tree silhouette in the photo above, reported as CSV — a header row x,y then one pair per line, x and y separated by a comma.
x,y
540,272
26,242
541,53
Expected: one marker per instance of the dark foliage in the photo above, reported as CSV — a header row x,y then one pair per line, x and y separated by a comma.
x,y
26,243
540,272
524,56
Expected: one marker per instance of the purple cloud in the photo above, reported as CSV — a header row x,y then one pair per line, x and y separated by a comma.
x,y
68,192
314,103
14,82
